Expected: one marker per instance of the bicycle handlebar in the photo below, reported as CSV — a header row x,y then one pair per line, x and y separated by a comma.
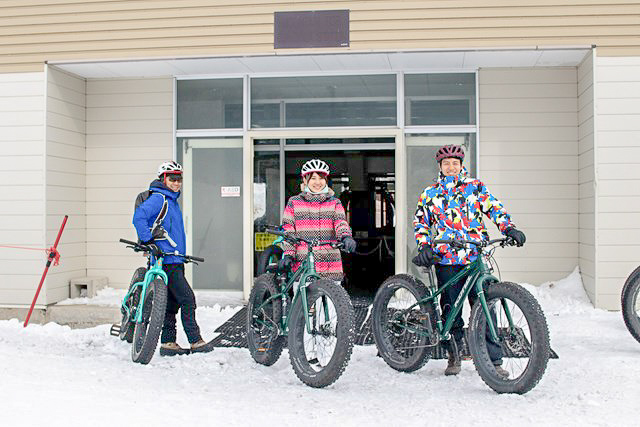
x,y
144,248
294,240
504,241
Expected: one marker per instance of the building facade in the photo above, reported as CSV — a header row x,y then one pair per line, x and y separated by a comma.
x,y
545,96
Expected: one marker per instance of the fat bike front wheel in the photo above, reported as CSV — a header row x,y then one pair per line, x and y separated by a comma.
x,y
147,332
320,356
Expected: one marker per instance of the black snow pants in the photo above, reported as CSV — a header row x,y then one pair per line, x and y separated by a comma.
x,y
180,297
448,298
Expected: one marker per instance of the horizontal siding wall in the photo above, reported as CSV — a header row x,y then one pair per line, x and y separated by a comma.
x,y
129,133
66,182
32,32
529,160
586,177
618,173
22,202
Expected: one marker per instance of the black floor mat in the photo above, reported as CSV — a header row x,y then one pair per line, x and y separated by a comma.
x,y
232,332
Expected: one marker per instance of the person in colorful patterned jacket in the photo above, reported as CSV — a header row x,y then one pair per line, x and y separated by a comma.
x,y
316,214
453,208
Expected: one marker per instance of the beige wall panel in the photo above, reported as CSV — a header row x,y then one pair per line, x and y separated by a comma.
x,y
533,191
623,188
129,132
20,148
22,206
527,177
125,29
529,134
542,105
528,159
66,159
125,180
19,208
535,163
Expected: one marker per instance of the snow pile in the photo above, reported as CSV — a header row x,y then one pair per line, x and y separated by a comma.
x,y
106,297
562,296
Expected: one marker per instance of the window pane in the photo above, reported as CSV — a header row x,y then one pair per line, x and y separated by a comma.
x,y
266,197
311,141
423,170
209,104
323,101
440,99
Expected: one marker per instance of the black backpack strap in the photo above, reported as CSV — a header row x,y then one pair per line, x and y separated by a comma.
x,y
162,213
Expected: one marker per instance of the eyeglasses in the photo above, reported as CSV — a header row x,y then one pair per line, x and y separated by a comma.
x,y
174,178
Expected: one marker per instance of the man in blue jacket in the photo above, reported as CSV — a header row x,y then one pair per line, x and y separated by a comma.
x,y
180,296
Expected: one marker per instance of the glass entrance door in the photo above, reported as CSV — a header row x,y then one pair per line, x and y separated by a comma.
x,y
213,211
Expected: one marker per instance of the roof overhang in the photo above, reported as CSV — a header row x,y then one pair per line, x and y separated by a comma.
x,y
431,60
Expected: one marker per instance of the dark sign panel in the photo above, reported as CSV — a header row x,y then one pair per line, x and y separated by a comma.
x,y
316,28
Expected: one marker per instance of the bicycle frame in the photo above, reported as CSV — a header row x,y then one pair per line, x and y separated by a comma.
x,y
154,269
306,271
477,274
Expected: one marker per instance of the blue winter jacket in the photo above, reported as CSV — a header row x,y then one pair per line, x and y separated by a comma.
x,y
148,211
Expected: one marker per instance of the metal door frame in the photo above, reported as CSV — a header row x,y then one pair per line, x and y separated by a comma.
x,y
189,145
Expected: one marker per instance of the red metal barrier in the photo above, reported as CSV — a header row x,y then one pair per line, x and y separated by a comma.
x,y
52,255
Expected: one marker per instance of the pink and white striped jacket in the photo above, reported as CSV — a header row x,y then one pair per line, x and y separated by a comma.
x,y
316,216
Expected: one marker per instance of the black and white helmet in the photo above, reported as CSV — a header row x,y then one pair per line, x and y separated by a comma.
x,y
169,167
314,165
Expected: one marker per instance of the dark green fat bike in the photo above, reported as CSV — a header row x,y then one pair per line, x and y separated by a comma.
x,y
407,322
312,316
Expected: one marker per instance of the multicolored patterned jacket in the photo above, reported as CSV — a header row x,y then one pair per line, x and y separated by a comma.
x,y
454,207
316,216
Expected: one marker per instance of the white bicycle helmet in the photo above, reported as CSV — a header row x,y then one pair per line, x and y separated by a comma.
x,y
169,167
314,165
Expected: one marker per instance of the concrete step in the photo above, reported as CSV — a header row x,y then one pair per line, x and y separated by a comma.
x,y
73,315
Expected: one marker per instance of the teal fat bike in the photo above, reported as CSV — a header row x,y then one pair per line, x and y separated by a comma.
x,y
143,307
407,322
630,303
316,321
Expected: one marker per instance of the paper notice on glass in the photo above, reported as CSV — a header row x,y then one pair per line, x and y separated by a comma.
x,y
231,191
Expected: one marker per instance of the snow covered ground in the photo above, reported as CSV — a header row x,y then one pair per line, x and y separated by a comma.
x,y
52,375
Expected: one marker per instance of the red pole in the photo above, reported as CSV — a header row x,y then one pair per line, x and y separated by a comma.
x,y
52,254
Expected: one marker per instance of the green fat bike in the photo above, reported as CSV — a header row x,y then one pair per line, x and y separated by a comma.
x,y
316,321
143,307
407,322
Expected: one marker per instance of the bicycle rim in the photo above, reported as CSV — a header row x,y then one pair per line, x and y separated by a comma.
x,y
404,323
141,329
320,344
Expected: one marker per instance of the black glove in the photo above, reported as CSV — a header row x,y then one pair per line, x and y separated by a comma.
x,y
349,244
426,257
153,248
285,263
517,235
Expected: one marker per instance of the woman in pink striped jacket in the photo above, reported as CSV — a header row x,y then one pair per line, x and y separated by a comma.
x,y
316,214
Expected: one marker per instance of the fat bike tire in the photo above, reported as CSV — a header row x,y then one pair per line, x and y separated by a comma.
x,y
263,321
528,318
333,330
127,323
146,333
403,340
271,255
630,304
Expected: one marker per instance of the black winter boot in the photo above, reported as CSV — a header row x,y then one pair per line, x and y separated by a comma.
x,y
172,349
453,366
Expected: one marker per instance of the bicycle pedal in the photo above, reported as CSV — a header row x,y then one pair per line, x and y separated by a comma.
x,y
115,330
